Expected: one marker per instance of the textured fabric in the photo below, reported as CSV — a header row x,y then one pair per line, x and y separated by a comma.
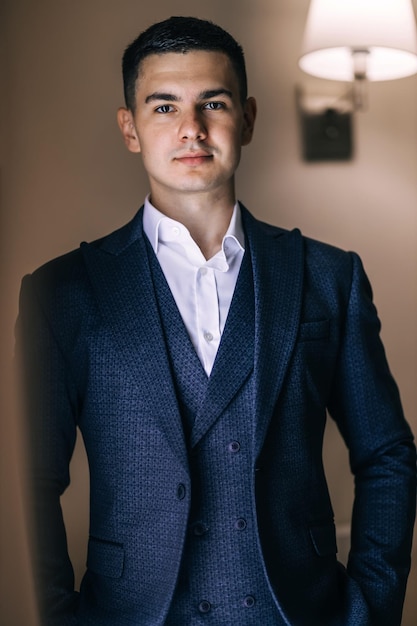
x,y
96,358
202,289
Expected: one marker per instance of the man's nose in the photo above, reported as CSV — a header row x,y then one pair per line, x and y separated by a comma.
x,y
192,126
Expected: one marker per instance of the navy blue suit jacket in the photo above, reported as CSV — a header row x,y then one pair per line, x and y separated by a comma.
x,y
95,358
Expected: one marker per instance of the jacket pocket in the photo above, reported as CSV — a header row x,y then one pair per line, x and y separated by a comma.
x,y
314,331
105,558
323,537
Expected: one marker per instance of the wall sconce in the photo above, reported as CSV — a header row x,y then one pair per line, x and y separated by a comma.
x,y
359,40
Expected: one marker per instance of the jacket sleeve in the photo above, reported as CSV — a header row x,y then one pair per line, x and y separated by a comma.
x,y
50,425
366,406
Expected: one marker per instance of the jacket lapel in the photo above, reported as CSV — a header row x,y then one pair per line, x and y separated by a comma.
x,y
277,259
119,272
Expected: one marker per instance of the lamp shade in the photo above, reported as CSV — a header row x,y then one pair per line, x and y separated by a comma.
x,y
385,30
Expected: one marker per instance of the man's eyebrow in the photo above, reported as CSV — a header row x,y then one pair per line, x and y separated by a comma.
x,y
168,97
203,95
213,93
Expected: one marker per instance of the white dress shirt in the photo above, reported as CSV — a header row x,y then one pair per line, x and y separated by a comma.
x,y
202,289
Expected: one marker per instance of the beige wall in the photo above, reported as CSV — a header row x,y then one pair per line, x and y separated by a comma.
x,y
67,177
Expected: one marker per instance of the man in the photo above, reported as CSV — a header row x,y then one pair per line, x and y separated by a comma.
x,y
198,350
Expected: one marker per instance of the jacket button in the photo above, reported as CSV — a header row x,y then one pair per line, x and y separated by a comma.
x,y
204,606
234,446
199,529
181,491
249,602
240,524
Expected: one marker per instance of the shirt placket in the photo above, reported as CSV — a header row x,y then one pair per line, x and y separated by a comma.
x,y
207,306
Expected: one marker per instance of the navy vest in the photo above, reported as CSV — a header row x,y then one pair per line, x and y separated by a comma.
x,y
222,579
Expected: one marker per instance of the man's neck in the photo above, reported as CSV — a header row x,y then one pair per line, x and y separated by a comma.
x,y
206,217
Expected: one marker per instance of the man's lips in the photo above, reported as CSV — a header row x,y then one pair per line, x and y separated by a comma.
x,y
194,158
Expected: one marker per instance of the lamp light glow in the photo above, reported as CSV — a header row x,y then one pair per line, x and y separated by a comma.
x,y
342,36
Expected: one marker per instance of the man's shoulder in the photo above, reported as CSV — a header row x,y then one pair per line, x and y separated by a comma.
x,y
70,265
313,248
63,268
324,265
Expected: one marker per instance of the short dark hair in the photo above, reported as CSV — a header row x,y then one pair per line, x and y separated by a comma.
x,y
180,34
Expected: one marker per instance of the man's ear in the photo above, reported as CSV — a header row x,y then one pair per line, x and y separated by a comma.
x,y
249,116
128,130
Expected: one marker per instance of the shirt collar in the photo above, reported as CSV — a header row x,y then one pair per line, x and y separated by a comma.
x,y
162,229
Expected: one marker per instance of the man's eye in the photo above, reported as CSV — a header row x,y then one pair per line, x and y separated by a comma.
x,y
164,108
214,106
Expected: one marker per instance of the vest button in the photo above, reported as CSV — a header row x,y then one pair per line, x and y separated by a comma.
x,y
234,446
240,524
249,602
204,606
181,491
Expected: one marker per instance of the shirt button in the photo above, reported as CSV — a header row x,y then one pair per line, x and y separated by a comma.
x,y
234,446
249,602
203,271
181,491
208,337
175,231
240,524
204,606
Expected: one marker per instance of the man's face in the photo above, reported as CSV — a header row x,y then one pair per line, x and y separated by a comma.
x,y
189,123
